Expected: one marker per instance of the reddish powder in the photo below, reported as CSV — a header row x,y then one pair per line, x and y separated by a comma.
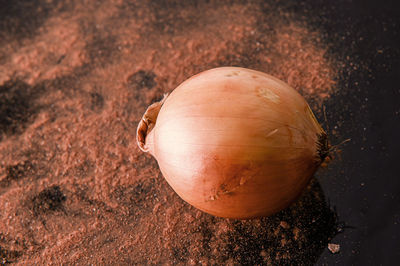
x,y
75,188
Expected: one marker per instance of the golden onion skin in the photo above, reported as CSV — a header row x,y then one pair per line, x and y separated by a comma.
x,y
234,142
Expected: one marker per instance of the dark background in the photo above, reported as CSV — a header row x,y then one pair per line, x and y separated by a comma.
x,y
365,186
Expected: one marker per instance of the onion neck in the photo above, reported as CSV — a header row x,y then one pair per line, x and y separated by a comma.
x,y
145,132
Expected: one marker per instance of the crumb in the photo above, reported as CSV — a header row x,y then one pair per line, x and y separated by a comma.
x,y
334,248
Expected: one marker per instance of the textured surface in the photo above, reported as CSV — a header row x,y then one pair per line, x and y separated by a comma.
x,y
76,77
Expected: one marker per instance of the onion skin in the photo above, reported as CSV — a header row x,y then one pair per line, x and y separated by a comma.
x,y
234,142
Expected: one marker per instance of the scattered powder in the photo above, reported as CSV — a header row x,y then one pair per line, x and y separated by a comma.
x,y
74,186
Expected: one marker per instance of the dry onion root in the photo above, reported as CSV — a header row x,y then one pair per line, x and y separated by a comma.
x,y
234,142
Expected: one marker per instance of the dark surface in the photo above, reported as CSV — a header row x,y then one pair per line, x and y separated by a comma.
x,y
365,186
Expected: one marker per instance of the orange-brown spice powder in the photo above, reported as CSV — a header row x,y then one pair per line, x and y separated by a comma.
x,y
75,188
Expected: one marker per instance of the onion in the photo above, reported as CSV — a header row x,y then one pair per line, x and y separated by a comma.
x,y
234,142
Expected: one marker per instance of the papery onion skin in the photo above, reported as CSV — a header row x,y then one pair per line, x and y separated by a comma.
x,y
234,142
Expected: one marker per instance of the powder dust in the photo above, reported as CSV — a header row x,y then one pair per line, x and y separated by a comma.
x,y
74,186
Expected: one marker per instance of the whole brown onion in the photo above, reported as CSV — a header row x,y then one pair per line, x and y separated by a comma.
x,y
234,142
